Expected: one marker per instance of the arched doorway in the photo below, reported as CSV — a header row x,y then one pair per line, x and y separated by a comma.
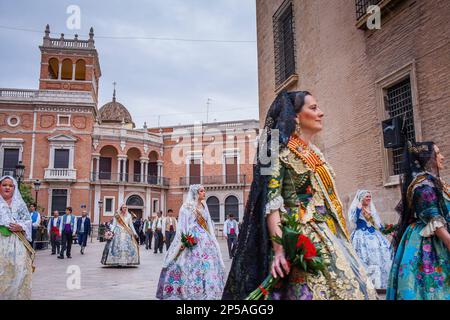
x,y
232,206
214,208
135,205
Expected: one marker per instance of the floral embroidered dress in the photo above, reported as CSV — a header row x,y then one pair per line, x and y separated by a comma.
x,y
421,267
196,273
16,254
122,249
302,184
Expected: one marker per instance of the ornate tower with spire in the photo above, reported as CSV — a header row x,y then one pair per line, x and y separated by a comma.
x,y
69,64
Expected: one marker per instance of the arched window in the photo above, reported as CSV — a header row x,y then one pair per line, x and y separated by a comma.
x,y
232,206
53,68
214,208
67,68
80,70
135,201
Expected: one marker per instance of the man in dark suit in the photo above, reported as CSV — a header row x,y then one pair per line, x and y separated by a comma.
x,y
83,229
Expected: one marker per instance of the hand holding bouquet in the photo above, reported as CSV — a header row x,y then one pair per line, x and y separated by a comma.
x,y
389,228
300,252
109,235
187,241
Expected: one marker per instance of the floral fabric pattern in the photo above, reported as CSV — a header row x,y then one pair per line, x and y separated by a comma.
x,y
122,249
197,273
421,267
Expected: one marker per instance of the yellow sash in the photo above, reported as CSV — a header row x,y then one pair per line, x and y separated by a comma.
x,y
127,228
324,178
200,219
21,236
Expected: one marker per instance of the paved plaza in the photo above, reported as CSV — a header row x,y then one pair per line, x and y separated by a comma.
x,y
97,281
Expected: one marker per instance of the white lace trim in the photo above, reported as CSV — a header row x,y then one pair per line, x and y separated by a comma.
x,y
275,204
430,228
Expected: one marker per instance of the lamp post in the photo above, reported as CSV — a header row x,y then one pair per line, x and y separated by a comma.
x,y
37,186
100,206
20,168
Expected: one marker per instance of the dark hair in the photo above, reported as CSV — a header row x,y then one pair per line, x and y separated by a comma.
x,y
231,215
283,112
418,158
33,204
69,208
254,248
170,210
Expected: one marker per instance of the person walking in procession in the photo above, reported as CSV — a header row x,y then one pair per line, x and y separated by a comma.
x,y
158,235
53,232
231,233
169,227
148,231
68,230
36,221
84,229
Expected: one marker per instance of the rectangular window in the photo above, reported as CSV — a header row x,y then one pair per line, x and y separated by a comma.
x,y
105,168
155,206
231,171
59,200
10,160
398,100
194,171
109,206
284,42
63,120
61,159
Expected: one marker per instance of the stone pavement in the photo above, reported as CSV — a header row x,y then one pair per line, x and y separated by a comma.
x,y
99,282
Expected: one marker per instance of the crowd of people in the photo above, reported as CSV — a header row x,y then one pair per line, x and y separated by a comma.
x,y
299,190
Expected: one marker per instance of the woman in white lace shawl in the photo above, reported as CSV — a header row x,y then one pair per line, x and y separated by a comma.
x,y
16,254
195,273
370,244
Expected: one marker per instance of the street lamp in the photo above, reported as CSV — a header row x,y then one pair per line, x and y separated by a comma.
x,y
20,168
37,186
100,206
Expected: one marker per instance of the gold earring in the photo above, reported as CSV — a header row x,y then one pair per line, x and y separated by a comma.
x,y
298,129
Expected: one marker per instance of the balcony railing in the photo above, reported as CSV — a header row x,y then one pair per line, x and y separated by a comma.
x,y
60,174
115,177
8,172
214,180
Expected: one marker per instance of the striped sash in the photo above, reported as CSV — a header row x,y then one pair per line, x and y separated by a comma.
x,y
325,180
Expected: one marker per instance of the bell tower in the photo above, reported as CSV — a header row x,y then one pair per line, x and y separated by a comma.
x,y
69,64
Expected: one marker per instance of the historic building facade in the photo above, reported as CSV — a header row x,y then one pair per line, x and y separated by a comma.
x,y
96,158
360,77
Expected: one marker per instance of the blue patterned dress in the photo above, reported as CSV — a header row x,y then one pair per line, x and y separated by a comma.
x,y
122,249
421,267
373,249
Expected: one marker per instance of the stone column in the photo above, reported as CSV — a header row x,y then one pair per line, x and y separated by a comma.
x,y
119,169
97,167
73,71
160,171
59,70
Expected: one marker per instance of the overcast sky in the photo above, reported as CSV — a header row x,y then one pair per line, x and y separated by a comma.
x,y
154,77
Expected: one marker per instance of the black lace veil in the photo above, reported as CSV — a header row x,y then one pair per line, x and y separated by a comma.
x,y
254,250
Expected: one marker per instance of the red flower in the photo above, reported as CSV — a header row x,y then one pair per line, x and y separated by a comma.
x,y
305,243
308,190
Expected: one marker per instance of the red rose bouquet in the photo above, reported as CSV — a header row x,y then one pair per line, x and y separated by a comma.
x,y
187,241
300,252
